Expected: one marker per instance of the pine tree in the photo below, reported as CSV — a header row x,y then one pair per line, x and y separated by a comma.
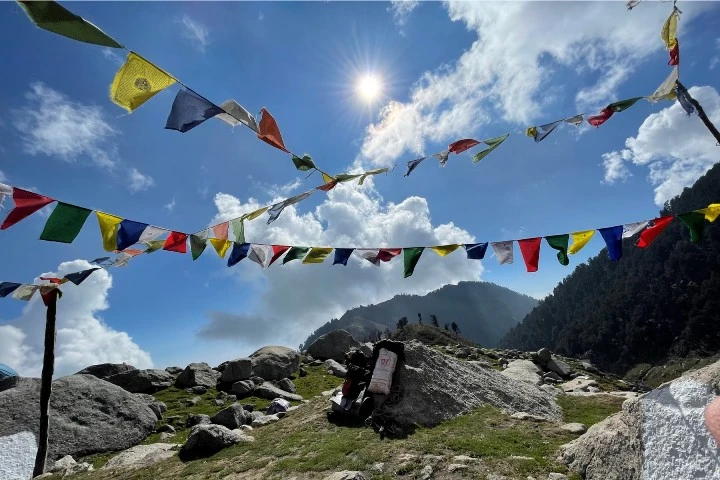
x,y
434,320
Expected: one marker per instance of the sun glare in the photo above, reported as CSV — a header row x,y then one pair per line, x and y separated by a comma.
x,y
369,88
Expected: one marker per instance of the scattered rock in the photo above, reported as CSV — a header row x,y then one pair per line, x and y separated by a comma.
x,y
257,380
197,374
557,476
236,370
105,370
558,366
249,407
246,428
87,415
166,428
142,381
367,349
243,388
553,376
378,467
264,420
270,392
334,368
286,384
274,363
197,419
316,363
68,466
197,390
140,456
523,370
303,372
464,458
589,367
454,467
231,417
333,345
426,472
578,385
528,416
406,457
174,371
574,428
207,439
156,406
544,355
346,475
191,402
231,399
219,402
164,437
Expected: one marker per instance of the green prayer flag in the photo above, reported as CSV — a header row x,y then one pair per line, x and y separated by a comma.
x,y
371,172
410,259
55,18
346,177
623,104
493,143
198,244
560,243
64,223
295,253
154,246
238,226
695,222
304,164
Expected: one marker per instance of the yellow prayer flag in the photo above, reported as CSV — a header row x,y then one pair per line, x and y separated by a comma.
x,y
580,239
256,213
712,212
669,31
327,178
317,255
137,81
108,230
221,245
443,250
531,132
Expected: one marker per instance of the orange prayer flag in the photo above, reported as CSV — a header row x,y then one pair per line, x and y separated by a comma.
x,y
269,132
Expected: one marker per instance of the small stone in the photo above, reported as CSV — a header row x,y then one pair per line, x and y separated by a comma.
x,y
574,428
246,428
198,419
166,428
222,395
165,436
231,399
193,401
303,372
219,402
249,407
527,416
464,458
426,472
557,476
406,457
286,384
454,467
377,467
197,390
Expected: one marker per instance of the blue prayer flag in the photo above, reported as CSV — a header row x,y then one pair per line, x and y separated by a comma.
x,y
476,251
6,288
129,233
239,251
189,110
342,255
78,277
613,239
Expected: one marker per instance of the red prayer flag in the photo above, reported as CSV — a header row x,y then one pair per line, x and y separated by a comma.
x,y
597,120
278,250
387,254
530,248
26,203
221,231
56,281
328,186
49,295
176,242
650,233
462,145
675,54
269,132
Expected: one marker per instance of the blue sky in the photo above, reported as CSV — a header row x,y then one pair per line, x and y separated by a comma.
x,y
448,70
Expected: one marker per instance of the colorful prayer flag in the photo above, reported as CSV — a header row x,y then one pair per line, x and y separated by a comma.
x,y
47,293
238,226
503,251
411,256
295,253
235,114
685,100
190,110
269,132
669,30
624,104
277,251
574,120
129,233
580,239
260,254
493,143
154,246
221,231
52,17
239,251
317,255
198,242
55,280
666,90
462,145
412,164
64,223
604,116
25,292
542,131
444,250
6,288
371,172
342,255
712,212
675,54
613,240
476,251
387,254
345,177
443,157
137,81
78,277
220,245
254,214
560,243
654,229
303,164
100,260
695,221
328,186
26,203
530,249
151,233
176,242
369,254
630,229
275,210
108,230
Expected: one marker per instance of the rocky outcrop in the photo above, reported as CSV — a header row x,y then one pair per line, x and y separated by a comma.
x,y
208,439
660,435
274,363
436,387
525,371
270,392
142,381
105,370
236,370
333,345
197,374
87,415
140,456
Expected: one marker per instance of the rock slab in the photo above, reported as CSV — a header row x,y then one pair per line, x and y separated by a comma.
x,y
142,381
105,370
140,456
335,368
525,371
236,370
333,345
274,363
270,392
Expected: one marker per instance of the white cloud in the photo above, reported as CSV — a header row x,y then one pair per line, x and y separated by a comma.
x,y
139,181
170,206
195,32
110,54
3,177
676,148
349,216
401,10
51,124
508,71
82,337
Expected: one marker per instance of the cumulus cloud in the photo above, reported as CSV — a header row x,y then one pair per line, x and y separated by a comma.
x,y
349,216
52,124
676,149
139,181
82,337
196,33
508,70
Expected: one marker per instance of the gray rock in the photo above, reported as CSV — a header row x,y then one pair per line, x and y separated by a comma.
x,y
426,473
236,370
589,367
333,345
68,466
164,437
174,371
578,428
221,395
544,356
345,475
316,363
523,370
578,385
270,392
552,376
367,349
456,467
140,456
197,374
257,380
207,439
87,415
105,370
243,388
264,420
6,383
166,429
197,419
221,368
303,372
558,366
334,368
219,402
156,406
436,387
191,402
274,363
527,416
245,428
197,390
286,384
142,381
231,417
231,399
557,476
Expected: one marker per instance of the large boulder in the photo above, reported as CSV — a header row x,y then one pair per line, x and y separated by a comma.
x,y
236,370
231,417
333,345
274,363
208,439
558,366
197,374
243,388
140,456
105,370
142,381
270,392
18,455
661,435
435,387
334,368
87,415
525,371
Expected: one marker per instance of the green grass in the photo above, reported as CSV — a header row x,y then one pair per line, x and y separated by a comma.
x,y
589,410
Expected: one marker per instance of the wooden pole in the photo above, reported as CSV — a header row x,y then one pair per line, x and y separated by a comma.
x,y
50,299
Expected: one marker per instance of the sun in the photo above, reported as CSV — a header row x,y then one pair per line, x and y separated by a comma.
x,y
369,87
